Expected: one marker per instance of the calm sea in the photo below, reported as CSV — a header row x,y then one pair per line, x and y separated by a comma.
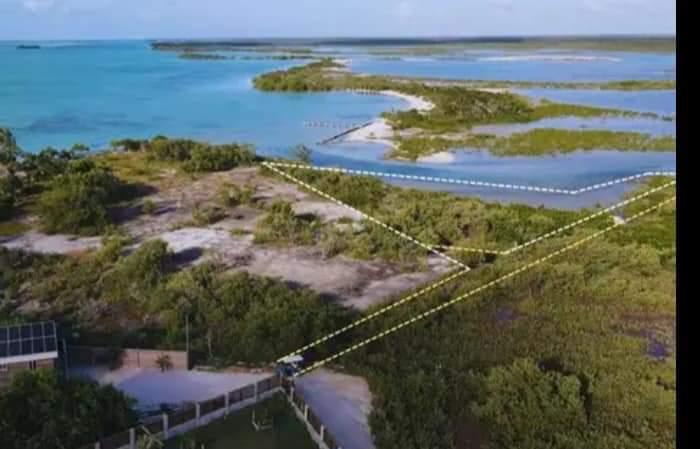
x,y
94,92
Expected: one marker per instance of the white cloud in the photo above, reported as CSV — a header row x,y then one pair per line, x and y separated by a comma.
x,y
37,6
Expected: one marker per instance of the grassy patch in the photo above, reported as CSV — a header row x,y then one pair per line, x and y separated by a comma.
x,y
11,228
136,167
237,431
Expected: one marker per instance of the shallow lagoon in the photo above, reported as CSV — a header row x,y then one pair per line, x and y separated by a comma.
x,y
567,171
96,92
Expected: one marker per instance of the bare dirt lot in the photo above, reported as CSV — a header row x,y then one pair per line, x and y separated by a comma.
x,y
229,241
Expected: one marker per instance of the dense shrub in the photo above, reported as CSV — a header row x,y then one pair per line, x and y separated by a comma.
x,y
282,225
77,201
8,195
232,195
243,317
42,167
40,410
208,214
528,407
135,276
208,158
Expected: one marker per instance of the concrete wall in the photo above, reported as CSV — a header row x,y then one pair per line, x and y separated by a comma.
x,y
128,358
146,358
318,432
12,369
257,395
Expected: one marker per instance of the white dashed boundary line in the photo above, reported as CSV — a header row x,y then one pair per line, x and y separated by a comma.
x,y
454,275
473,292
368,217
472,182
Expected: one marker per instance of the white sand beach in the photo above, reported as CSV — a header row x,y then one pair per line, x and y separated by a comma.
x,y
444,157
379,131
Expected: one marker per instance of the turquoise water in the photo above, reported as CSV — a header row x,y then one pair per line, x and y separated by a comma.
x,y
96,92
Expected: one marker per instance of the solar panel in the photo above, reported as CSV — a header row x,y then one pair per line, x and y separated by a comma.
x,y
27,339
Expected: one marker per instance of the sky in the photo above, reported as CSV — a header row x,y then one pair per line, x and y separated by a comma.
x,y
129,19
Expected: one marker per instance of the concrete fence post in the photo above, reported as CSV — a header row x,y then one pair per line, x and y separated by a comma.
x,y
132,438
306,412
165,426
98,445
226,404
322,432
256,395
198,413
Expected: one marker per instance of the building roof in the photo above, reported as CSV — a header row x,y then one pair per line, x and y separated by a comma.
x,y
27,342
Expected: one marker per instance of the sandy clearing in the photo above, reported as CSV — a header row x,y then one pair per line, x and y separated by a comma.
x,y
355,283
378,131
326,210
343,404
38,242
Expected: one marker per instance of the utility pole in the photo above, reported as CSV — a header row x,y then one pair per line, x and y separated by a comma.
x,y
187,338
65,358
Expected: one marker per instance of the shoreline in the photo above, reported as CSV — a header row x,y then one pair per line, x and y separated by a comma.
x,y
379,130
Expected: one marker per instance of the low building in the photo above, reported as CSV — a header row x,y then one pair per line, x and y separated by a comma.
x,y
27,346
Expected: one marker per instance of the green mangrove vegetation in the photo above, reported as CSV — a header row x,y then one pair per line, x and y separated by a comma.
x,y
457,109
74,192
200,55
232,317
432,46
583,344
624,85
536,142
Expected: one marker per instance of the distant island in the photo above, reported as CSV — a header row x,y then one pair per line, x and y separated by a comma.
x,y
28,47
663,44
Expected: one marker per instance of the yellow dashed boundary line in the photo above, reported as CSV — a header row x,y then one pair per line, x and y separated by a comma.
x,y
559,230
368,217
435,247
473,292
377,313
